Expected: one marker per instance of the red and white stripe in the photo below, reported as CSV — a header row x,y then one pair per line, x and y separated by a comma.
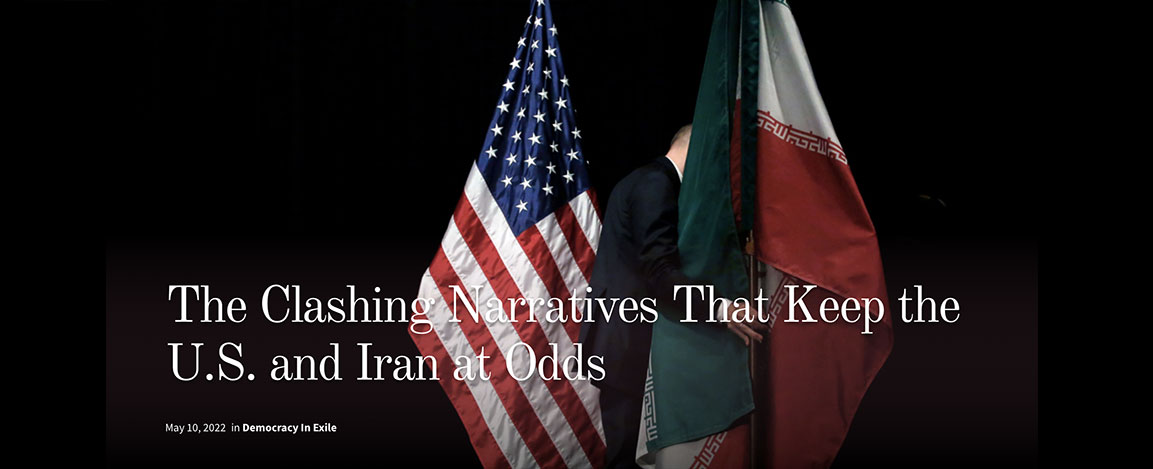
x,y
534,422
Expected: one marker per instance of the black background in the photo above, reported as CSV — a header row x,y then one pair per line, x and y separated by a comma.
x,y
326,143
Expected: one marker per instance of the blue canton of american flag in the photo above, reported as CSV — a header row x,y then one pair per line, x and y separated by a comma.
x,y
526,227
532,159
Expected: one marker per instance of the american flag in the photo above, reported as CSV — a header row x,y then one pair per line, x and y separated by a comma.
x,y
525,227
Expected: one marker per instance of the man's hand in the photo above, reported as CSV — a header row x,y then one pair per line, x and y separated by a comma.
x,y
747,330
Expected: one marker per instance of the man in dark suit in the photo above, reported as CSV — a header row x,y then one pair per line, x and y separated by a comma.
x,y
638,258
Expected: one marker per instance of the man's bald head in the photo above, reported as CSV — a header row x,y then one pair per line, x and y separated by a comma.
x,y
682,136
679,148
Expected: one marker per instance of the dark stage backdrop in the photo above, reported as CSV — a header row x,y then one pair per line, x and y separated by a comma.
x,y
327,143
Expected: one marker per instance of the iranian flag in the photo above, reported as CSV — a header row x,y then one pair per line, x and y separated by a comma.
x,y
776,172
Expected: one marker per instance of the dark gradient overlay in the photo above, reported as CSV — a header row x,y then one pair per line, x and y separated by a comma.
x,y
326,144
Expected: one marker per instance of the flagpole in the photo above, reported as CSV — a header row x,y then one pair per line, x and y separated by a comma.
x,y
758,371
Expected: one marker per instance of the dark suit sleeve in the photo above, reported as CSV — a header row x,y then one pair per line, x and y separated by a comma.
x,y
653,203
